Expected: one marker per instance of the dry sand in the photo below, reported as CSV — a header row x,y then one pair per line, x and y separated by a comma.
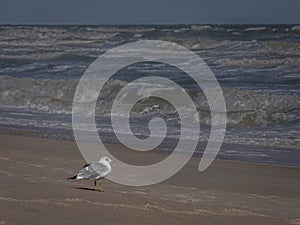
x,y
34,190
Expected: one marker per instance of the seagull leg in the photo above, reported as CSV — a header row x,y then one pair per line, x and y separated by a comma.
x,y
95,183
100,185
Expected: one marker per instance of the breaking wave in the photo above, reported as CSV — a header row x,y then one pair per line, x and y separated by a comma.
x,y
244,107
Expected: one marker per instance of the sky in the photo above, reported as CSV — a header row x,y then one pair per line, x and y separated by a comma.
x,y
148,12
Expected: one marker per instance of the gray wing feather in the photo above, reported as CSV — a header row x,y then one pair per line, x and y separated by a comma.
x,y
93,170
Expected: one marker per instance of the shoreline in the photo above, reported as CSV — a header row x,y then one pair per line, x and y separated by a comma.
x,y
34,134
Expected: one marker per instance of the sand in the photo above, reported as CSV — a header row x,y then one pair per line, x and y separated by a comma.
x,y
34,190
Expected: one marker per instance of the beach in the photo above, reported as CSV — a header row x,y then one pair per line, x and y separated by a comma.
x,y
34,190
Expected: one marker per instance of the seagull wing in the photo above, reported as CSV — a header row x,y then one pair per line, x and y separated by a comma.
x,y
93,171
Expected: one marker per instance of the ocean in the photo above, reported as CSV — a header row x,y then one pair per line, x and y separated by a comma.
x,y
257,66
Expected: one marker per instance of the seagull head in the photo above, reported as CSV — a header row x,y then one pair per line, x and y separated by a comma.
x,y
105,159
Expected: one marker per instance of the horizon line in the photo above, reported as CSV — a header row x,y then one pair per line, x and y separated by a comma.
x,y
140,24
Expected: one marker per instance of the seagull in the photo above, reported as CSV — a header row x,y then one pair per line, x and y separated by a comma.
x,y
94,171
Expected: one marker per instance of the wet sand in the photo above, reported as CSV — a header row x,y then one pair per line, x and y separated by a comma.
x,y
34,190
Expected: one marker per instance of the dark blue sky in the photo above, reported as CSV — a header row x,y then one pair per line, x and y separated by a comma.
x,y
148,12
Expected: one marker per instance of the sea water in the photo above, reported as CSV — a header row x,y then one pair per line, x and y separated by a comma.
x,y
258,68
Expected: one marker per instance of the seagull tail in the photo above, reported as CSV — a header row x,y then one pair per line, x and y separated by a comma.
x,y
72,178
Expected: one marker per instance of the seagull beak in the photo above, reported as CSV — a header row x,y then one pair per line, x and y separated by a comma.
x,y
113,161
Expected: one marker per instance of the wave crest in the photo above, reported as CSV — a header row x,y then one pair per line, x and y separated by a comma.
x,y
244,107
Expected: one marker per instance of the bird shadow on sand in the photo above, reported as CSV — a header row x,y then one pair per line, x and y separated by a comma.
x,y
87,189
